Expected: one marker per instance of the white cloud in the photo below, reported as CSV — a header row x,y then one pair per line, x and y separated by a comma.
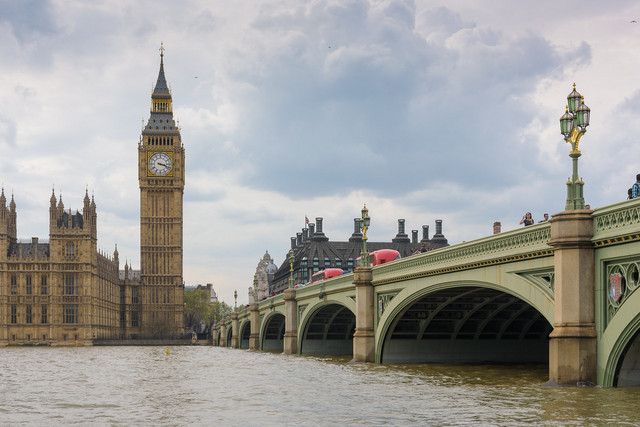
x,y
424,110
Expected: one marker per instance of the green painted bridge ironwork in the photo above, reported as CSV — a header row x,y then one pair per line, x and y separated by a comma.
x,y
498,298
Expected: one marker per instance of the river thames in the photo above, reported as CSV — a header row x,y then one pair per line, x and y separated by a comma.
x,y
201,385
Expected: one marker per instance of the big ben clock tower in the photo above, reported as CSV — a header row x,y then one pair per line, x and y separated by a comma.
x,y
161,177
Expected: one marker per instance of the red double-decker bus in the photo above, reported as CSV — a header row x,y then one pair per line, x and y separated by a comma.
x,y
326,274
381,256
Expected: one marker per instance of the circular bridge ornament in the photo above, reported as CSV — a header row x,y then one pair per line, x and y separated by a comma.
x,y
616,286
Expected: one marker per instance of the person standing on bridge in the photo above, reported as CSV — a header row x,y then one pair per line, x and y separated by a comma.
x,y
635,189
527,219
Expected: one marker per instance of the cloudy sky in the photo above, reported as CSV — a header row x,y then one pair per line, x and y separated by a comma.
x,y
423,110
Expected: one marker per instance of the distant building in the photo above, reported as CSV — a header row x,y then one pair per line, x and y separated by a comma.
x,y
213,296
313,251
264,274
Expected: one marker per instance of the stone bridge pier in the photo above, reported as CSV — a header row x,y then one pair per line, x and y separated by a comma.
x,y
364,336
572,344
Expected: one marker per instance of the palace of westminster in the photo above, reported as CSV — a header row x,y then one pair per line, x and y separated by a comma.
x,y
66,292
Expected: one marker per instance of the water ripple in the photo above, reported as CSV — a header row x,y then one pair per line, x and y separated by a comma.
x,y
220,386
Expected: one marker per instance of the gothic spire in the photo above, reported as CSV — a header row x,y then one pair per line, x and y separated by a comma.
x,y
161,90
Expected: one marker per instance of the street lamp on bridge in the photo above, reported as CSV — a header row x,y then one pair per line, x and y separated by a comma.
x,y
291,260
364,226
235,298
255,288
573,124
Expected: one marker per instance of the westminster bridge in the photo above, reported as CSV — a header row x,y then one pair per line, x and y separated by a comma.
x,y
561,292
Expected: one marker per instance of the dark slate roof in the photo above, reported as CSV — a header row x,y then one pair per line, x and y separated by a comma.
x,y
162,89
161,124
344,251
37,250
77,220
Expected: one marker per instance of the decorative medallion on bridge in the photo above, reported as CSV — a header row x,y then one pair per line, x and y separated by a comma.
x,y
616,289
624,280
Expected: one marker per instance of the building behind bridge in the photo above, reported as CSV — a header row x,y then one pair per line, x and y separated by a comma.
x,y
313,251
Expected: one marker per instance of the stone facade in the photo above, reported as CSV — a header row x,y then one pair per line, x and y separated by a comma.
x,y
66,292
161,175
61,292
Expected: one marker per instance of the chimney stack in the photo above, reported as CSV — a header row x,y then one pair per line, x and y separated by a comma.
x,y
357,235
318,235
439,240
298,239
425,233
414,236
293,243
312,229
497,227
401,237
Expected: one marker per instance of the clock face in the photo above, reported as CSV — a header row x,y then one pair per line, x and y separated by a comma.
x,y
160,164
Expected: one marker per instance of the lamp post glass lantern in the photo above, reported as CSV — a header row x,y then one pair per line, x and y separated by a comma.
x,y
573,124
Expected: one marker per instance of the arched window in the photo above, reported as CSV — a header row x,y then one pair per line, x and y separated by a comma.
x,y
71,250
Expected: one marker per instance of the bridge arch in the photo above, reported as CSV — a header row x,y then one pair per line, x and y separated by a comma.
x,y
466,321
327,328
244,334
272,332
620,346
229,333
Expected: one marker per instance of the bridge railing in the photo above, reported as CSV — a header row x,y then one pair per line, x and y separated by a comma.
x,y
499,248
614,222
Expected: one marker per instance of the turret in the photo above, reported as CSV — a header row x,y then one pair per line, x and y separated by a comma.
x,y
116,258
3,205
4,217
12,228
92,223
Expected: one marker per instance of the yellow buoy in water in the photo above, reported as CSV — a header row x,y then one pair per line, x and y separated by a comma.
x,y
168,351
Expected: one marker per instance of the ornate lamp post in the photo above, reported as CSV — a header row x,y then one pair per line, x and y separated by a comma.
x,y
255,288
235,297
573,124
291,260
364,226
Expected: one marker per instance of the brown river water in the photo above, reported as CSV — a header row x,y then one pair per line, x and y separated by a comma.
x,y
201,385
